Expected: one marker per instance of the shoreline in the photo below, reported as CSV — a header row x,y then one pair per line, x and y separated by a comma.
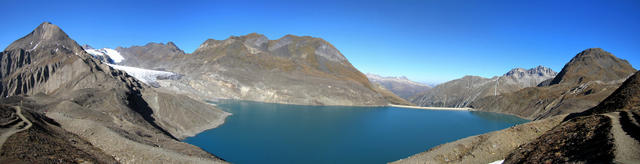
x,y
431,108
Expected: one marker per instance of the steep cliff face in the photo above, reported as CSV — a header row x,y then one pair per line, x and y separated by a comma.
x,y
292,70
106,107
586,80
461,92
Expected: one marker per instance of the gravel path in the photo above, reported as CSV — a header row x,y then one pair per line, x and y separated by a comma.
x,y
18,127
627,149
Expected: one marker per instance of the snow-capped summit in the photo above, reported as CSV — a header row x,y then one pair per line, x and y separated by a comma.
x,y
105,54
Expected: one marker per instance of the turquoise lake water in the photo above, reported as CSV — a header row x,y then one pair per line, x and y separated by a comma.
x,y
278,133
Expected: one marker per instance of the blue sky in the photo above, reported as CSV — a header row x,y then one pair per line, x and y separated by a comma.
x,y
427,41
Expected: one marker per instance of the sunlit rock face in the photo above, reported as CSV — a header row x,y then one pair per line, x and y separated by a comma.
x,y
292,70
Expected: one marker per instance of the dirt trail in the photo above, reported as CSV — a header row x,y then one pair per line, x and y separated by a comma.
x,y
627,149
18,127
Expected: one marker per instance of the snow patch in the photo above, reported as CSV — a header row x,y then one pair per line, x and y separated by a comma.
x,y
111,53
497,162
94,52
34,47
114,55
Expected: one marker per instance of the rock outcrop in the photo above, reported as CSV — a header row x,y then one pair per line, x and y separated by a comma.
x,y
462,92
587,79
291,70
117,114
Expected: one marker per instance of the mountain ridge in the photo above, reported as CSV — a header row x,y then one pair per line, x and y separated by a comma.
x,y
292,70
461,92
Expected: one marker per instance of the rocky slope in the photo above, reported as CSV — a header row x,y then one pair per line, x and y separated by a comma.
x,y
606,133
461,92
29,136
112,111
400,86
291,70
587,79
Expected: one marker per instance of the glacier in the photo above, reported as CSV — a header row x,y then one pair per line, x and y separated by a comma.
x,y
147,76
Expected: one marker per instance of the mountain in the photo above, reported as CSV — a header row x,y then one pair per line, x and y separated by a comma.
x,y
461,92
593,64
292,70
585,80
606,133
150,55
47,77
400,86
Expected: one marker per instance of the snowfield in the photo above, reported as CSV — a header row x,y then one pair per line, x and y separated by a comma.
x,y
147,76
108,52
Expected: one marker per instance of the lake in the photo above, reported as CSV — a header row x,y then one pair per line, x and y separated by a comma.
x,y
279,133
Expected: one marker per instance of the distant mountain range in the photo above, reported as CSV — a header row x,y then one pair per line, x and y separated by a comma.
x,y
401,86
461,92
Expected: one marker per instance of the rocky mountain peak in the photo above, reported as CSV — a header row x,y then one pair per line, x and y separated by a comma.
x,y
516,72
46,35
48,31
174,47
256,40
537,71
592,52
168,45
593,64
